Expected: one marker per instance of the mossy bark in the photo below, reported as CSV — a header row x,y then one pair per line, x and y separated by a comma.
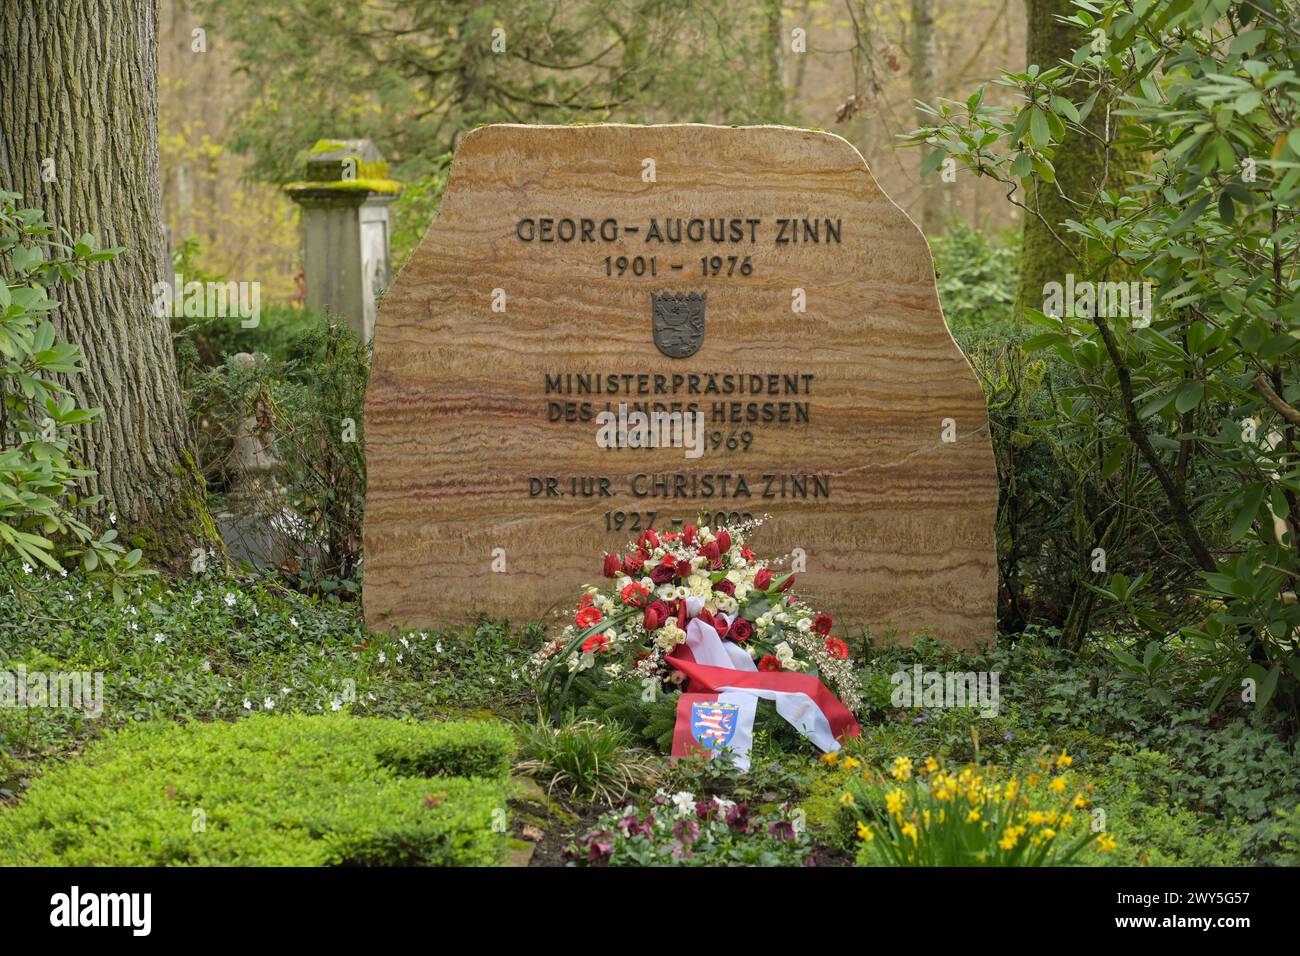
x,y
1084,164
78,100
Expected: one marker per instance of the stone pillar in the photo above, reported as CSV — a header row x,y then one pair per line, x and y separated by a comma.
x,y
344,198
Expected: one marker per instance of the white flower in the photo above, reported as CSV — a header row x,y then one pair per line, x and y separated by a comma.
x,y
684,801
336,704
293,622
158,638
382,657
669,636
283,691
27,569
248,704
269,703
230,599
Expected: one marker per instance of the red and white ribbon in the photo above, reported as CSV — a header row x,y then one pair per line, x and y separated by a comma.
x,y
724,667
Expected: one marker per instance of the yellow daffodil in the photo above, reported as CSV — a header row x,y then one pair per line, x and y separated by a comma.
x,y
850,762
846,799
902,769
909,830
1105,842
1057,785
894,801
864,832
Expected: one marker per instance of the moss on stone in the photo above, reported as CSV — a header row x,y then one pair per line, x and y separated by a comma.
x,y
362,184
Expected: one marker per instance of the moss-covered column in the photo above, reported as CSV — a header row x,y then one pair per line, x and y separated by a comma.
x,y
344,197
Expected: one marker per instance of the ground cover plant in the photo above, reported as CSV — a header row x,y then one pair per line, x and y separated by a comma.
x,y
286,791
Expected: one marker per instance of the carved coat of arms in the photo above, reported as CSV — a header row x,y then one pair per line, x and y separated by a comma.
x,y
678,322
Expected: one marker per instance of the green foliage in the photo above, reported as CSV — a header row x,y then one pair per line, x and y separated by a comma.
x,y
1197,398
926,815
40,509
287,791
977,276
309,407
584,757
221,647
415,77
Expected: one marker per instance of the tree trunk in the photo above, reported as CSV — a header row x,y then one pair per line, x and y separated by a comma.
x,y
78,86
923,90
1083,164
774,60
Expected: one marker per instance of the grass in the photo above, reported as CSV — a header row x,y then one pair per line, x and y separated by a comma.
x,y
583,757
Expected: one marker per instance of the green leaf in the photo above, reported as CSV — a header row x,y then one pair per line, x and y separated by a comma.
x,y
1189,396
1245,517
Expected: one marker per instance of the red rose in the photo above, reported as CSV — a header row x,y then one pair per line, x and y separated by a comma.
x,y
587,617
688,534
633,565
662,573
763,579
634,594
648,540
725,587
741,630
822,624
612,564
786,584
684,569
837,648
724,541
711,551
594,643
656,613
769,663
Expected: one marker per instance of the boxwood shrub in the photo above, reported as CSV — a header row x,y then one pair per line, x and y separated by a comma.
x,y
271,791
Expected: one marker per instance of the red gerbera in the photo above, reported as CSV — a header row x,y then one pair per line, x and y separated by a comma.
x,y
837,648
594,643
588,616
769,663
634,595
822,624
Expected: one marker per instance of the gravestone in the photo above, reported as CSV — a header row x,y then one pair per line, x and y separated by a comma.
x,y
344,195
756,275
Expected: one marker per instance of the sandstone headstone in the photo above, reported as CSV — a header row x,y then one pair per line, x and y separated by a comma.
x,y
758,275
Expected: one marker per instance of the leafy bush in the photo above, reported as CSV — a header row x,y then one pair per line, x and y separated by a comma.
x,y
588,758
284,791
39,418
679,830
977,275
924,815
1195,395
